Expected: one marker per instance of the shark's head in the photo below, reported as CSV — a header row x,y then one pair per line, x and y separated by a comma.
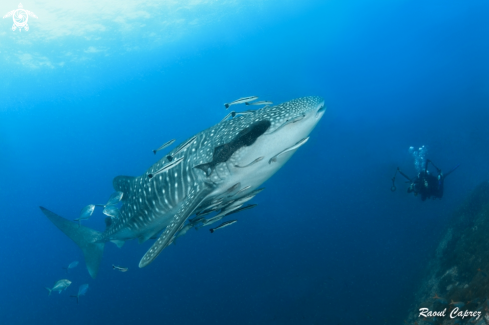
x,y
296,116
288,126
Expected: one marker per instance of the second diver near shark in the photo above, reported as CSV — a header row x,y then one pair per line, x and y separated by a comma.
x,y
426,184
216,170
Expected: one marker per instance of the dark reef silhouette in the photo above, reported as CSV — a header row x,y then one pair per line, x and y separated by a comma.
x,y
457,276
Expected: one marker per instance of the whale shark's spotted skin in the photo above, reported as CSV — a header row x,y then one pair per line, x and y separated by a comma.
x,y
163,203
145,199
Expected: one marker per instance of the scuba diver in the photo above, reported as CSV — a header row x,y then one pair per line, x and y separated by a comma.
x,y
425,183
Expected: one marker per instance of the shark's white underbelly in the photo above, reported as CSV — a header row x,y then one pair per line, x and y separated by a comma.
x,y
266,146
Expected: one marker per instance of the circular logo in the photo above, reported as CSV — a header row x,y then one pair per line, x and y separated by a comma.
x,y
20,18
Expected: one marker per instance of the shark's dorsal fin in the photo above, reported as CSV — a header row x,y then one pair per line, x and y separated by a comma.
x,y
123,184
187,207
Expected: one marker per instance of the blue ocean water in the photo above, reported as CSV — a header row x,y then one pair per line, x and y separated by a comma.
x,y
93,87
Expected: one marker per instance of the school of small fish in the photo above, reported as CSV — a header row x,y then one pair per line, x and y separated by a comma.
x,y
63,284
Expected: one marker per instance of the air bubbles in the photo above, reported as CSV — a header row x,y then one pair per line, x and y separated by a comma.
x,y
419,157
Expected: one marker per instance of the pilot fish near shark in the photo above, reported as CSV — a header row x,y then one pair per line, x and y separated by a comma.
x,y
219,168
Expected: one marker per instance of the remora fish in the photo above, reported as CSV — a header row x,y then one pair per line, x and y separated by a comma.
x,y
196,219
242,200
222,225
206,212
233,188
164,145
220,215
72,265
251,206
214,204
261,102
233,114
60,285
81,291
185,229
294,147
167,167
241,101
242,190
290,121
181,148
163,204
119,268
251,163
212,220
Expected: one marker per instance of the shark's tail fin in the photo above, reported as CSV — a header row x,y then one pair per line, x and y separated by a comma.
x,y
84,237
48,289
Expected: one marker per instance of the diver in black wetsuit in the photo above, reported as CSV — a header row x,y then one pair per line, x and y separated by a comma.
x,y
425,184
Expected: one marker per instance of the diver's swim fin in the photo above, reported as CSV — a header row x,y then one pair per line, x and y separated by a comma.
x,y
451,171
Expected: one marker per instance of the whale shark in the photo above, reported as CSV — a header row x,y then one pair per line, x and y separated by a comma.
x,y
219,168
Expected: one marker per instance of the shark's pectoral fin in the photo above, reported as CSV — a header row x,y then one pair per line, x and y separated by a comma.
x,y
153,234
143,238
187,207
119,243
